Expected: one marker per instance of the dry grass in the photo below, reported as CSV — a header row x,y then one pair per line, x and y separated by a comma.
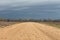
x,y
4,24
54,24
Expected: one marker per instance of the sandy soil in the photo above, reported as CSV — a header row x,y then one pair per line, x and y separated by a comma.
x,y
29,31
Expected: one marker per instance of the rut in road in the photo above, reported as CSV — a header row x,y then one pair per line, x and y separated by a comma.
x,y
29,31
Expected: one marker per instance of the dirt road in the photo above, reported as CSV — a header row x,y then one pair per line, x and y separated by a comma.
x,y
29,31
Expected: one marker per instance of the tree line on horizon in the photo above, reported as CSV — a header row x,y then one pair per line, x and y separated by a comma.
x,y
30,20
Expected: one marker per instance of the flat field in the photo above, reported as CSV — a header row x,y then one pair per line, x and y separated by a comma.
x,y
29,31
4,24
54,24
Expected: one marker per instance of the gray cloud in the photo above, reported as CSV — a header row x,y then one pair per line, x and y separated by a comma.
x,y
46,9
7,4
24,2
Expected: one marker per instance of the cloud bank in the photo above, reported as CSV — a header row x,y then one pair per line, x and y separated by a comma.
x,y
30,8
6,4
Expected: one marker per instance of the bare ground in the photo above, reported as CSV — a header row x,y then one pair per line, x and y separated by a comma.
x,y
4,24
29,31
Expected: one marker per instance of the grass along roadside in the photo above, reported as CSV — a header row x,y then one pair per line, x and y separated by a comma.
x,y
4,24
54,24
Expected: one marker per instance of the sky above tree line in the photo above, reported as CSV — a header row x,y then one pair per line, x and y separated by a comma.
x,y
30,8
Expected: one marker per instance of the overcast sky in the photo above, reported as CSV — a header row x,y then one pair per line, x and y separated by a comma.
x,y
30,7
25,2
4,4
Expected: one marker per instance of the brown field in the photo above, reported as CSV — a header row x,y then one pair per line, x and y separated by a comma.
x,y
29,31
54,24
4,24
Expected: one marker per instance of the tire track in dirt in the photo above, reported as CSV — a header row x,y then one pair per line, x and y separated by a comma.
x,y
49,31
13,31
30,34
29,31
37,34
44,37
45,33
